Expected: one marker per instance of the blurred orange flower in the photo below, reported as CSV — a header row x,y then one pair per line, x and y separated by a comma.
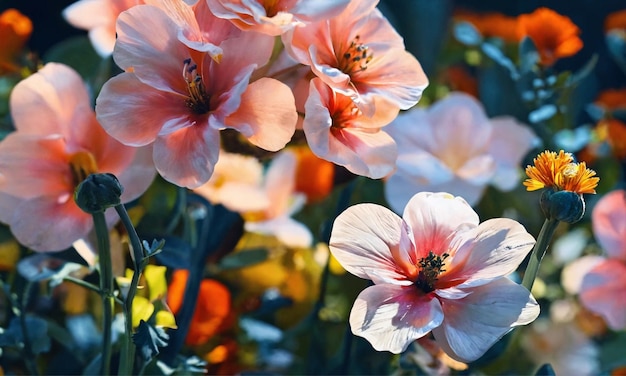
x,y
213,307
491,25
314,176
615,20
554,35
613,131
15,29
612,99
460,79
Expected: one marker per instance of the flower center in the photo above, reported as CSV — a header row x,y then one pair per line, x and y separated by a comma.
x,y
430,268
198,100
271,7
82,165
356,57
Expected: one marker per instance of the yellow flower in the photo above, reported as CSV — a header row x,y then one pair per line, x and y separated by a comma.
x,y
559,171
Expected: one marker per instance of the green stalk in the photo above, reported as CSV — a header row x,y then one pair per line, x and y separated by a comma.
x,y
127,356
106,287
539,250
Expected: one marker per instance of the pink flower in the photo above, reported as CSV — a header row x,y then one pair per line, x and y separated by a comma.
x,y
57,143
274,17
603,289
360,55
337,131
435,269
453,147
182,113
98,16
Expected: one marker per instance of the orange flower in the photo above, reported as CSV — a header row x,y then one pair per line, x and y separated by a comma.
x,y
612,99
459,79
615,20
554,35
560,172
314,176
614,132
15,29
213,307
491,25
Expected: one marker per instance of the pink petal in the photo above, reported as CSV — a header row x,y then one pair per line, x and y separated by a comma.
x,y
365,238
573,273
494,249
45,224
87,14
435,218
478,170
391,317
268,121
473,324
510,142
423,169
609,223
60,97
187,156
288,231
310,11
239,197
103,40
603,291
138,175
280,182
33,166
135,113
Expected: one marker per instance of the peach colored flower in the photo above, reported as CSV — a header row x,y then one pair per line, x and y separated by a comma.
x,y
274,17
359,55
15,29
57,143
454,147
435,269
554,35
98,17
182,113
603,289
338,131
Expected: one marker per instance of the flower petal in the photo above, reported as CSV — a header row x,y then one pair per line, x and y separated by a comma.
x,y
609,223
365,237
494,249
473,324
288,231
391,317
603,292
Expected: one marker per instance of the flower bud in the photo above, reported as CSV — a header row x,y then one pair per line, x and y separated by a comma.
x,y
98,192
564,206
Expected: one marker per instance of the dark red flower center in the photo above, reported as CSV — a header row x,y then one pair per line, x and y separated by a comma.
x,y
356,57
430,268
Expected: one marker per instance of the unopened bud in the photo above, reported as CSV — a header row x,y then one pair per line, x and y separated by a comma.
x,y
98,192
564,206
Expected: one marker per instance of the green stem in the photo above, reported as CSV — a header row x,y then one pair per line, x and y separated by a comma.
x,y
539,250
127,357
106,287
88,286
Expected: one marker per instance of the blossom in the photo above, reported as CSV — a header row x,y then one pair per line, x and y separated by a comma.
x,y
213,308
182,114
453,147
603,289
338,131
360,55
559,172
274,17
98,17
314,176
491,25
435,269
615,20
15,29
554,35
57,144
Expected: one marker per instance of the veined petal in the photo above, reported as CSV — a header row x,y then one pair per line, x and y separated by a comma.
x,y
135,113
473,324
59,224
609,223
268,121
435,218
603,291
138,175
391,317
365,237
60,97
494,249
187,156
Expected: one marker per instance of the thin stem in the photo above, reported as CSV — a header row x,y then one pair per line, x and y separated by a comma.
x,y
106,287
539,250
127,357
88,286
28,352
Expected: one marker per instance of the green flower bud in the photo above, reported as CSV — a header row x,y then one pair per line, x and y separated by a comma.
x,y
564,206
98,192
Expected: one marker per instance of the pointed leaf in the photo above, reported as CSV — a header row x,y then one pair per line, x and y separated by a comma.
x,y
148,339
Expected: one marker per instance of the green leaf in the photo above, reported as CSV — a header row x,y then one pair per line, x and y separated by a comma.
x,y
148,339
528,55
243,258
37,330
41,267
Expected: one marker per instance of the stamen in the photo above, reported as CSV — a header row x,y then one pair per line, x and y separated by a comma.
x,y
356,57
82,164
430,268
198,100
